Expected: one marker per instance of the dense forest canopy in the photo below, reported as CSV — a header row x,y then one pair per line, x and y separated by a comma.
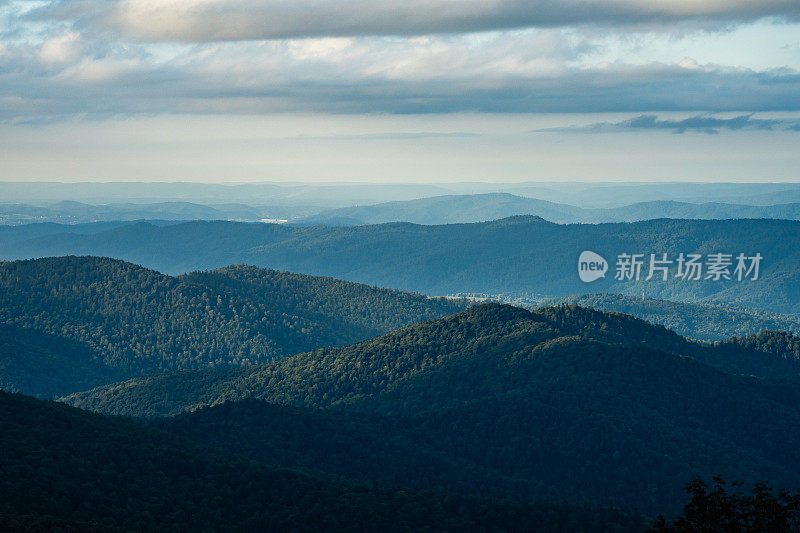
x,y
83,468
120,320
696,320
501,401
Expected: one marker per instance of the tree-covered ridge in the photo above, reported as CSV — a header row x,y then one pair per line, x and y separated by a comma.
x,y
140,321
778,344
83,468
570,403
341,376
520,255
375,310
699,321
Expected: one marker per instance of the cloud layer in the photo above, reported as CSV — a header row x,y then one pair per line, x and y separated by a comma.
x,y
92,58
231,20
698,123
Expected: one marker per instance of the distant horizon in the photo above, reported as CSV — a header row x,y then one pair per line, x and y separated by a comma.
x,y
410,183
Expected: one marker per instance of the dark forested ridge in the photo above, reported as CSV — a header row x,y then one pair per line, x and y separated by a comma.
x,y
49,365
518,255
498,400
695,320
118,319
92,473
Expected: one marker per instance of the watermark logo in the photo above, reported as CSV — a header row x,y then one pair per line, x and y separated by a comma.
x,y
684,267
591,266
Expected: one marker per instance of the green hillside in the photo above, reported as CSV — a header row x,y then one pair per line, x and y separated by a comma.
x,y
118,319
498,400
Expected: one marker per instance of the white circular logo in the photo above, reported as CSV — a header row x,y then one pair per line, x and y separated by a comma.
x,y
591,266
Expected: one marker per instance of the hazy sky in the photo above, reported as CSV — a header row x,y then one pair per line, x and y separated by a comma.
x,y
388,90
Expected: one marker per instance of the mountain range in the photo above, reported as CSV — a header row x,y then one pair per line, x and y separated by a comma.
x,y
71,212
497,401
444,209
454,209
332,195
525,256
331,398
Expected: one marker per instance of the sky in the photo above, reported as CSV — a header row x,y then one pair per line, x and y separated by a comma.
x,y
399,91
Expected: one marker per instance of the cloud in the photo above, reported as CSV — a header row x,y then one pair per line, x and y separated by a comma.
x,y
65,70
211,84
61,49
233,20
698,123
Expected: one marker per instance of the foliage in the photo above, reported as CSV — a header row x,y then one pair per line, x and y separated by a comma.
x,y
724,510
140,321
496,400
76,466
695,320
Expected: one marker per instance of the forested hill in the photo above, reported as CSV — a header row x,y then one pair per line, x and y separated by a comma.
x,y
562,402
93,473
119,319
520,255
695,320
369,373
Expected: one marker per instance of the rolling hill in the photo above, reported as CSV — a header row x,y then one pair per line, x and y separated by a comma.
x,y
496,400
80,321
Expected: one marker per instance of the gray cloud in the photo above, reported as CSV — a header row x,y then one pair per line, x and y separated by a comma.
x,y
67,73
698,123
182,89
231,20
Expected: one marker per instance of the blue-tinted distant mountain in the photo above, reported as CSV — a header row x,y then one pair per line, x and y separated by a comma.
x,y
493,206
270,194
615,194
449,210
519,255
24,232
71,212
707,211
432,210
333,195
